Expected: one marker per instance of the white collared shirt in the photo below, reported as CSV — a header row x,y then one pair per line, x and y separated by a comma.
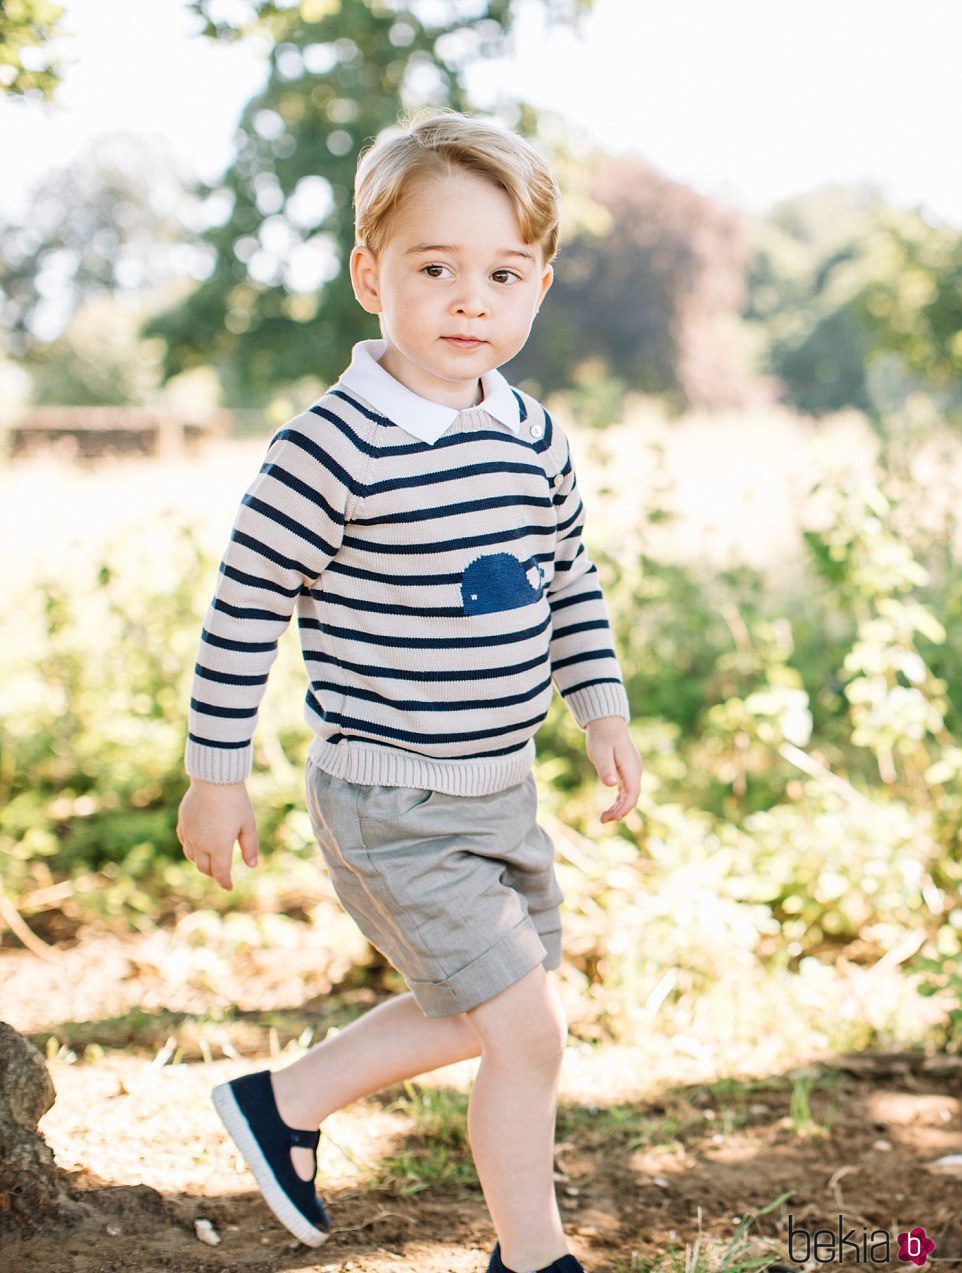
x,y
419,416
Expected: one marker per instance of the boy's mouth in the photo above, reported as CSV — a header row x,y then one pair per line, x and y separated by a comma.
x,y
464,342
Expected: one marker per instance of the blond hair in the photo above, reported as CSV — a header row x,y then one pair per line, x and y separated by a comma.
x,y
436,142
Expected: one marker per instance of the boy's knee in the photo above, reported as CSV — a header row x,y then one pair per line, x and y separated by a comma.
x,y
526,1021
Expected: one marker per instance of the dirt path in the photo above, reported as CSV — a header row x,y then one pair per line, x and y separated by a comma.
x,y
653,1151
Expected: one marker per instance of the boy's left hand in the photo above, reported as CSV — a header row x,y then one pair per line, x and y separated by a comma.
x,y
615,757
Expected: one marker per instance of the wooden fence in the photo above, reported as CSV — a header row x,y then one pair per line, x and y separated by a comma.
x,y
93,432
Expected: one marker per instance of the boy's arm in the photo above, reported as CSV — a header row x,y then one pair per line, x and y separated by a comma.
x,y
289,525
584,666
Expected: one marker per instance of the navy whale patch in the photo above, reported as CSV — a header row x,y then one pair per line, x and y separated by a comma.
x,y
499,581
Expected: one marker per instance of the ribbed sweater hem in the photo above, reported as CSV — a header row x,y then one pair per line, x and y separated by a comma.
x,y
372,764
218,764
606,699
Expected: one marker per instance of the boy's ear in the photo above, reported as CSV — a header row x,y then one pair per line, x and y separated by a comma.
x,y
546,280
364,279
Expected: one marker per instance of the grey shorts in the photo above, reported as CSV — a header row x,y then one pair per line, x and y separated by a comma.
x,y
458,892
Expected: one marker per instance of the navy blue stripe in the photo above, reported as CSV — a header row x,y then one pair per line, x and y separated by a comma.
x,y
583,685
392,577
215,742
418,612
588,626
472,673
334,392
257,581
228,713
446,545
228,678
582,658
458,474
559,603
413,736
248,647
451,510
238,612
339,737
564,567
427,705
433,643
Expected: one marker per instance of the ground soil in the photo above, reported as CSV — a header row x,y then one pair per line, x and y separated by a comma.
x,y
689,1160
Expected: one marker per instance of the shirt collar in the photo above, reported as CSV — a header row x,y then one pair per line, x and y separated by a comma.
x,y
419,416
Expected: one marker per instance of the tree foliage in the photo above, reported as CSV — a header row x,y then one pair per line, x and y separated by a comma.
x,y
112,221
912,302
859,303
98,360
27,68
647,290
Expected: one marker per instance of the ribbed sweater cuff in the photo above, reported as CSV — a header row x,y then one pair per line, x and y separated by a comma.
x,y
218,764
607,699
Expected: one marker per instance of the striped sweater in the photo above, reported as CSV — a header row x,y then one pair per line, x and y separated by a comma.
x,y
440,582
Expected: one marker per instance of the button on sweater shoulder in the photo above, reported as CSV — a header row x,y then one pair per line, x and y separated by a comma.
x,y
442,590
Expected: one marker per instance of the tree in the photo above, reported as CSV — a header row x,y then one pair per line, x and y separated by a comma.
x,y
27,68
113,221
652,289
799,289
98,360
911,304
860,303
278,303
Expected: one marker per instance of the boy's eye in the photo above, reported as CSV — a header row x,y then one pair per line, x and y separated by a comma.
x,y
509,273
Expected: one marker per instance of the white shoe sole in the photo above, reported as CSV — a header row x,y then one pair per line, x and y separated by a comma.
x,y
240,1133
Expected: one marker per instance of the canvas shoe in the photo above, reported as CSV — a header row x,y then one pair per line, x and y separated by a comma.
x,y
248,1110
564,1264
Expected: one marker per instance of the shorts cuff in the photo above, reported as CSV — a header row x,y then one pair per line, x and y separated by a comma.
x,y
500,966
552,944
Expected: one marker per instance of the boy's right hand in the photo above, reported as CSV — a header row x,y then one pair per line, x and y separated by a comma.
x,y
211,816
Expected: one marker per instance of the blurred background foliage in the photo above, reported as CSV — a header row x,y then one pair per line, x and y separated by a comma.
x,y
832,299
802,798
26,66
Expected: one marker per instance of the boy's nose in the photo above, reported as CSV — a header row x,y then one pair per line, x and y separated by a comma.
x,y
472,300
475,308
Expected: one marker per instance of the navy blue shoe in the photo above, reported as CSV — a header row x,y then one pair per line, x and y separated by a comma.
x,y
248,1110
565,1264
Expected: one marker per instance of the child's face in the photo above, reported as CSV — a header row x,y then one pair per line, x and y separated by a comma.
x,y
472,286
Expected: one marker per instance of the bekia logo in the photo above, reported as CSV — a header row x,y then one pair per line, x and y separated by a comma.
x,y
830,1246
915,1246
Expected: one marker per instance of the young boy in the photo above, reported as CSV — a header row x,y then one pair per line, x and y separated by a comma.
x,y
424,519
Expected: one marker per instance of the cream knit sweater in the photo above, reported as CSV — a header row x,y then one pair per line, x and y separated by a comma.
x,y
440,591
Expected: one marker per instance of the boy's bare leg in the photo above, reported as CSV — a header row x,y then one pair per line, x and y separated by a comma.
x,y
391,1042
511,1117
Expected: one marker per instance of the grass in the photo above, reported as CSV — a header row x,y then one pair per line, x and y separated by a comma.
x,y
708,1254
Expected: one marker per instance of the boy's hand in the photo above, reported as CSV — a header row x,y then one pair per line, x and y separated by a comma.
x,y
211,816
615,757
